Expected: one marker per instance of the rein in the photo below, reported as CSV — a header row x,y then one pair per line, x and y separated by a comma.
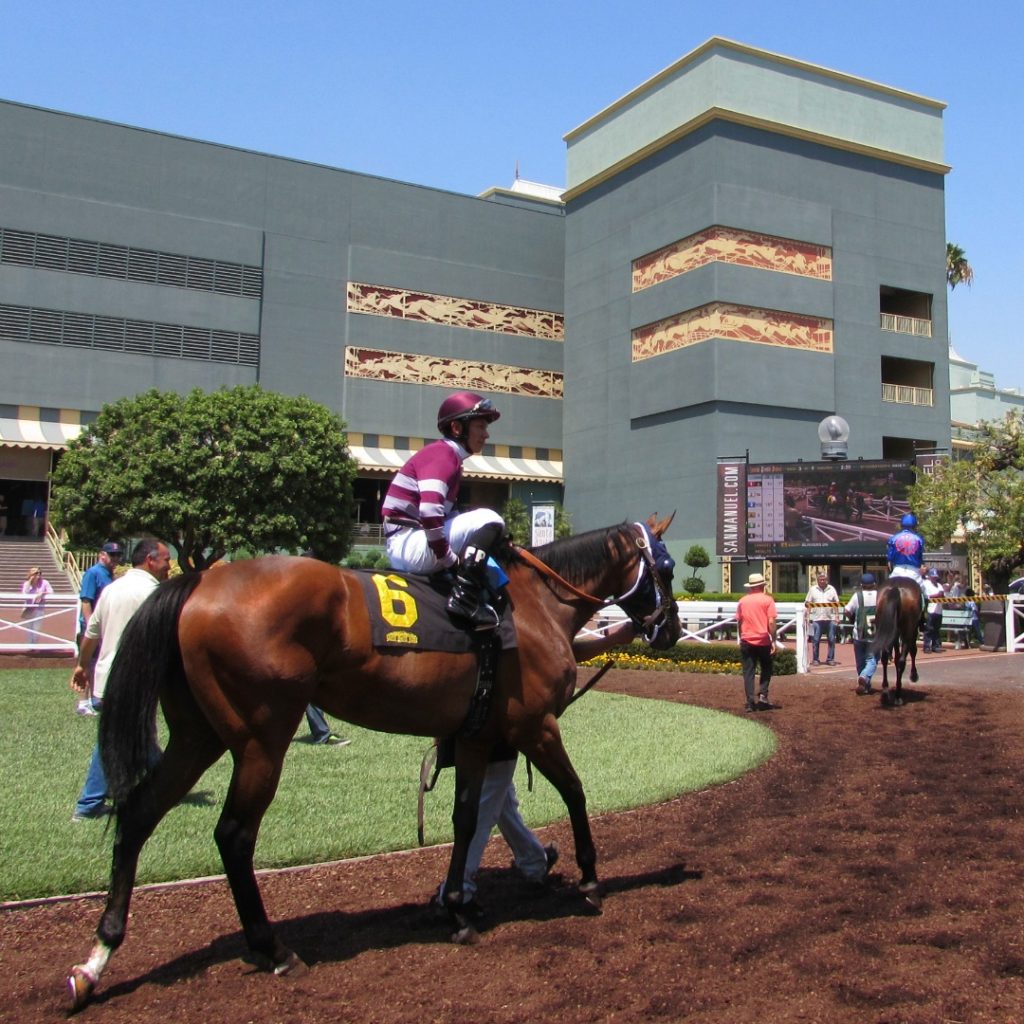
x,y
648,625
602,602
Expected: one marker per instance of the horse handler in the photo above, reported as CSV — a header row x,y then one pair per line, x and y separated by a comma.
x,y
756,616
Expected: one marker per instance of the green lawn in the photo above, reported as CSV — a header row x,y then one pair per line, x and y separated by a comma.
x,y
333,802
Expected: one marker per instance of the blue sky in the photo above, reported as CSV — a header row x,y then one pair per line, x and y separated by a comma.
x,y
453,94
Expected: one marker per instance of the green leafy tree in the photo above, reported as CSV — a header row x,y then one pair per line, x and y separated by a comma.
x,y
958,270
517,520
563,522
696,558
980,500
239,469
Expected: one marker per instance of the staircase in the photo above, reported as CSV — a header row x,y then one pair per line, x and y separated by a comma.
x,y
19,554
56,629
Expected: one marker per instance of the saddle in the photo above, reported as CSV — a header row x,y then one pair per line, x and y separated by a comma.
x,y
408,610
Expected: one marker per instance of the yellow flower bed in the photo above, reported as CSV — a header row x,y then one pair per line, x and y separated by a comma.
x,y
647,664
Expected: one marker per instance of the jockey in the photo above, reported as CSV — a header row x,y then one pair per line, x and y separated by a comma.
x,y
422,531
905,553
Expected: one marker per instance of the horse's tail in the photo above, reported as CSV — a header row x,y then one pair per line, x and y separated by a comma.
x,y
148,658
887,621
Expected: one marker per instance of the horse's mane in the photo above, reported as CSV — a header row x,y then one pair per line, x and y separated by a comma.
x,y
585,555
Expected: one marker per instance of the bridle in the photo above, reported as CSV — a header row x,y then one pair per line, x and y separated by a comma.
x,y
649,582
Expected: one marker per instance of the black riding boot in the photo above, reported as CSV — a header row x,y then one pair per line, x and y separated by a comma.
x,y
470,599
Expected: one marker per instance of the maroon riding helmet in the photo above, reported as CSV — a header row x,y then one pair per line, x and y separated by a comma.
x,y
464,405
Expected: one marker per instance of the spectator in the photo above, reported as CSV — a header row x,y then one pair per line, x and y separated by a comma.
x,y
821,607
860,609
151,563
34,590
932,589
95,579
3,515
954,587
971,605
756,616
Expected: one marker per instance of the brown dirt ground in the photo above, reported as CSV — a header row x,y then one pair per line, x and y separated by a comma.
x,y
871,871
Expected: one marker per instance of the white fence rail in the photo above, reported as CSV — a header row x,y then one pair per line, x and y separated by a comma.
x,y
707,621
52,628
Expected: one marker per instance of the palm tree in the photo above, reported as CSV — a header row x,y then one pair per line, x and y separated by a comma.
x,y
958,270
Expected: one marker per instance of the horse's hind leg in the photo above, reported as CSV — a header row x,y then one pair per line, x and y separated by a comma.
x,y
253,785
189,753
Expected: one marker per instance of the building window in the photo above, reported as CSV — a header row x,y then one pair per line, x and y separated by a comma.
x,y
905,312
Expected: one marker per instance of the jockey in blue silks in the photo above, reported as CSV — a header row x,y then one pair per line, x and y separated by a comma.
x,y
905,552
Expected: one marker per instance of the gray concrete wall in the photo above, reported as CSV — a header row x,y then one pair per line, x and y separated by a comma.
x,y
643,437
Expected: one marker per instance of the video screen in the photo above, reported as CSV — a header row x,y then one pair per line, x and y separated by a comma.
x,y
802,509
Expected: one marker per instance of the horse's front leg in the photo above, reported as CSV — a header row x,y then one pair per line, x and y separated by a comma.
x,y
470,766
553,763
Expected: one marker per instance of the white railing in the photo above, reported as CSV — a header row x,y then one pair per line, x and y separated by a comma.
x,y
706,621
1015,623
906,395
906,325
54,629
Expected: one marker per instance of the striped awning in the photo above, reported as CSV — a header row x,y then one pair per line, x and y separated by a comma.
x,y
476,467
30,426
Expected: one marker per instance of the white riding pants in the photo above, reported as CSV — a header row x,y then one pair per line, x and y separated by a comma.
x,y
408,550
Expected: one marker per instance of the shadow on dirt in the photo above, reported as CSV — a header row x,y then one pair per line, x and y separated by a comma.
x,y
336,936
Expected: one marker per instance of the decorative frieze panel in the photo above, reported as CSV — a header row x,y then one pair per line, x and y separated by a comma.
x,y
732,323
424,307
456,374
730,245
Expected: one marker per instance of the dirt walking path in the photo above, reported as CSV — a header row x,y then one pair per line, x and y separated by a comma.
x,y
872,871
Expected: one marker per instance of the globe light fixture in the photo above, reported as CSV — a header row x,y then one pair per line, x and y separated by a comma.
x,y
834,434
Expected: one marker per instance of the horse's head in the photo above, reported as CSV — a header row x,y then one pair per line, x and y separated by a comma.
x,y
650,605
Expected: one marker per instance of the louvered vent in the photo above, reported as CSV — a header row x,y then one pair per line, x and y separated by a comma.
x,y
102,259
114,334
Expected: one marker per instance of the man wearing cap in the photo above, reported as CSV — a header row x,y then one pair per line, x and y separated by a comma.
x,y
860,610
94,580
756,616
932,588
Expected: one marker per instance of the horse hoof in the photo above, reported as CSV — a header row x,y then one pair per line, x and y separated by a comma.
x,y
898,702
592,896
80,986
293,966
466,936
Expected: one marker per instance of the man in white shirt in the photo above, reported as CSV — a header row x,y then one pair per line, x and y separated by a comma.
x,y
822,618
150,564
932,588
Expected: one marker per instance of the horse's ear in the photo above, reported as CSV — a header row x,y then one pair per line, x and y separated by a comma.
x,y
659,529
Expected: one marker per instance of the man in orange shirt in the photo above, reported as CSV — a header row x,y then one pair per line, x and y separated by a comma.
x,y
756,615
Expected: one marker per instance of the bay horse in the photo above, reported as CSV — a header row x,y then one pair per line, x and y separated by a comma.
x,y
897,619
234,655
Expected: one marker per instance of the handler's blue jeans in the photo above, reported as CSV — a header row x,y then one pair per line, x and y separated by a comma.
x,y
866,660
817,628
